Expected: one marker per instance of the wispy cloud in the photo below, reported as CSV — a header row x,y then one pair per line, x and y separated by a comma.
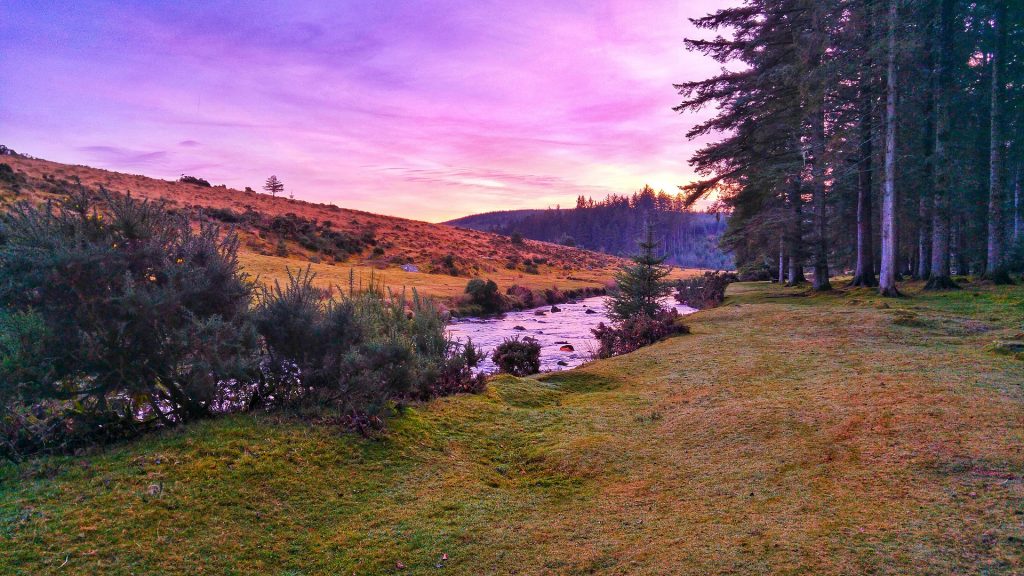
x,y
428,109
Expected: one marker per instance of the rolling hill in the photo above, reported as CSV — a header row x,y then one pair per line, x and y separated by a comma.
x,y
277,232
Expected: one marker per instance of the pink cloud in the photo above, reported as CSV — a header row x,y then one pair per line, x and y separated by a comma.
x,y
429,109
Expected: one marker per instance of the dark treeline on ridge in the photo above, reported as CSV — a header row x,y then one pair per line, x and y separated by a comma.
x,y
879,137
615,224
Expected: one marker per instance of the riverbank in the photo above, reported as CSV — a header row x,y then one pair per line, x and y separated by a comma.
x,y
790,433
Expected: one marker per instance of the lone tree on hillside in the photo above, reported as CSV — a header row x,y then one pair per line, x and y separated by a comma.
x,y
274,186
640,285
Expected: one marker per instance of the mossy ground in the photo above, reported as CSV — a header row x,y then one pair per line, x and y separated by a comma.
x,y
791,433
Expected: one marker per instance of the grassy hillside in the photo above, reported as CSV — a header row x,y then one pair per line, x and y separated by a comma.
x,y
396,241
791,433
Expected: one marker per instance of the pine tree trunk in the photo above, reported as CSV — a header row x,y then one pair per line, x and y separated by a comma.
x,y
994,269
939,277
887,278
782,260
924,238
926,186
815,98
821,282
1018,218
864,274
796,265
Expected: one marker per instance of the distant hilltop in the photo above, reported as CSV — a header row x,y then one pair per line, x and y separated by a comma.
x,y
613,225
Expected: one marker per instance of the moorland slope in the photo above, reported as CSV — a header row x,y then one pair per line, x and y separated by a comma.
x,y
278,232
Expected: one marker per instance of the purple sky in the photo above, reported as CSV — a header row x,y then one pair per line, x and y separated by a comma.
x,y
423,109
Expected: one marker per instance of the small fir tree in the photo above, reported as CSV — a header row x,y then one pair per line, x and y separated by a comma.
x,y
640,286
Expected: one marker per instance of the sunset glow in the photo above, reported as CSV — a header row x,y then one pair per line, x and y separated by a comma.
x,y
428,110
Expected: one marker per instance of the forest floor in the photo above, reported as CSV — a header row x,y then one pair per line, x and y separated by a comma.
x,y
791,433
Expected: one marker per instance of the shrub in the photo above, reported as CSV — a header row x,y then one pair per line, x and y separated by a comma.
x,y
521,297
447,265
315,237
11,179
756,272
517,239
636,332
518,357
553,295
120,320
7,173
357,353
226,215
484,296
194,180
705,291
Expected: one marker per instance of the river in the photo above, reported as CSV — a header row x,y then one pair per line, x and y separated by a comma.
x,y
555,331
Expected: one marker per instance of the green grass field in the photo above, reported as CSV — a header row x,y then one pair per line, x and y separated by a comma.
x,y
790,433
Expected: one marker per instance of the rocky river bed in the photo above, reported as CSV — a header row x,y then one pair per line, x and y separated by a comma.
x,y
563,331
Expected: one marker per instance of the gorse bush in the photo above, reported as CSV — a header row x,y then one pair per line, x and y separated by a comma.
x,y
706,290
123,319
356,352
518,357
118,321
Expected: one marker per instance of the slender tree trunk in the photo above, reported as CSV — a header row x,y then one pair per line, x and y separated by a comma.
x,y
963,261
887,278
814,96
821,282
994,269
924,235
796,263
939,278
1018,224
782,259
864,274
925,188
